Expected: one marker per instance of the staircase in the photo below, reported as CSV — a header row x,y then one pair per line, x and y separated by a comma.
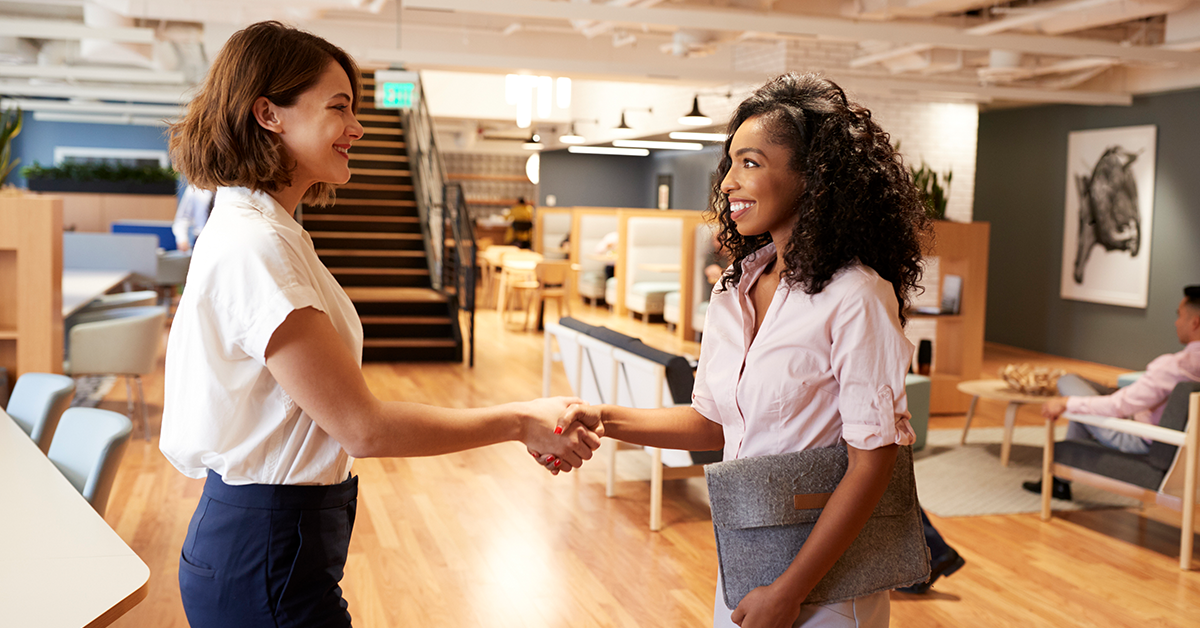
x,y
371,240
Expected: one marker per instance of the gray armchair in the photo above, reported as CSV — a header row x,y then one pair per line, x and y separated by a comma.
x,y
1166,475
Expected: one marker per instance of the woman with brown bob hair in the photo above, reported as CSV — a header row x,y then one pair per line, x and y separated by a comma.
x,y
803,345
264,393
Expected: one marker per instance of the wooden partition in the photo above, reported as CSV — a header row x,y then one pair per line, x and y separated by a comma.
x,y
961,249
95,213
31,323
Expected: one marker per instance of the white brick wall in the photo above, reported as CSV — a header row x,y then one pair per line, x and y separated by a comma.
x,y
945,135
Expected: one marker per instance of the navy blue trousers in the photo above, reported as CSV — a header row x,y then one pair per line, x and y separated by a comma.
x,y
264,555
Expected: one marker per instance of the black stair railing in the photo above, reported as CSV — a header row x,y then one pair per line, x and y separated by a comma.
x,y
446,225
461,250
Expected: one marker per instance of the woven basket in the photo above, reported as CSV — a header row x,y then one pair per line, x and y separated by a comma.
x,y
1032,380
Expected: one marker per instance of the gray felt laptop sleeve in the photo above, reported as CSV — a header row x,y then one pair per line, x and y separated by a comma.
x,y
763,509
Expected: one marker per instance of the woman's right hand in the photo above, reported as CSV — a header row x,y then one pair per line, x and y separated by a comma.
x,y
556,442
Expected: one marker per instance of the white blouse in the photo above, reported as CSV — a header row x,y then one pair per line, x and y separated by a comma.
x,y
822,368
251,267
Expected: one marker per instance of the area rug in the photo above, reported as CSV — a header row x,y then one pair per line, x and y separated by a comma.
x,y
91,389
956,480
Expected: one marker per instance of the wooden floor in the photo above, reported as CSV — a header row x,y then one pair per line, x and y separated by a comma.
x,y
486,538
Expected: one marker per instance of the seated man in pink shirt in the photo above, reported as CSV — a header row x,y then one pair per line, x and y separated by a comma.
x,y
1142,400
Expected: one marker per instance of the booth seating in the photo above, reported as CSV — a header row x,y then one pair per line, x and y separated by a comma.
x,y
592,229
650,241
700,287
1167,475
555,226
605,366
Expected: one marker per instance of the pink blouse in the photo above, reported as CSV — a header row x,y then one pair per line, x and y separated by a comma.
x,y
822,368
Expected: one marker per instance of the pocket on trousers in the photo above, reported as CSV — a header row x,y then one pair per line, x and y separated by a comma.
x,y
194,569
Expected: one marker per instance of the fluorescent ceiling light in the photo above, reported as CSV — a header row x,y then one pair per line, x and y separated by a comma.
x,y
698,137
657,145
608,150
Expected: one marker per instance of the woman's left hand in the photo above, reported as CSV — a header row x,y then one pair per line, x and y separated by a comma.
x,y
771,606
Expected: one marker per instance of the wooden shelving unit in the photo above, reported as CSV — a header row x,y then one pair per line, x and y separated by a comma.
x,y
961,249
31,324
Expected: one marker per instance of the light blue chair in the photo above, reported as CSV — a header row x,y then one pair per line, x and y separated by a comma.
x,y
37,403
87,449
917,388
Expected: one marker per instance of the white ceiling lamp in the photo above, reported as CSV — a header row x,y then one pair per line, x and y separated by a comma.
x,y
562,88
533,143
533,168
608,150
536,95
698,137
572,137
657,145
694,117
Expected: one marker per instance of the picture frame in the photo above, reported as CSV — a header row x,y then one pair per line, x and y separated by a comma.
x,y
1108,215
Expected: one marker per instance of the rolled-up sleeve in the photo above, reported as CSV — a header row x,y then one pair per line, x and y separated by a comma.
x,y
870,358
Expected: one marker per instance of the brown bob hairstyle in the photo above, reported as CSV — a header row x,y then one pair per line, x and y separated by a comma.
x,y
219,143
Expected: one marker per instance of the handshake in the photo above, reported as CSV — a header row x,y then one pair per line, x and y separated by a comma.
x,y
560,432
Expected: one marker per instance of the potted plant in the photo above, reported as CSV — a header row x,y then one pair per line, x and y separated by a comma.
x,y
10,127
100,177
936,197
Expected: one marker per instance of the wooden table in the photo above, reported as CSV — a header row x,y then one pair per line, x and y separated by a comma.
x,y
80,287
61,565
998,390
660,268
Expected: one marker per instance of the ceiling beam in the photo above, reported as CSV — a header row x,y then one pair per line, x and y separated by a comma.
x,y
445,60
820,27
56,29
91,73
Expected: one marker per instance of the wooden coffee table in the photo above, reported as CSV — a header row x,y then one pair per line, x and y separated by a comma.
x,y
997,389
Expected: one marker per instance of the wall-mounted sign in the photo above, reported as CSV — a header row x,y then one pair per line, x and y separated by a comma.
x,y
396,89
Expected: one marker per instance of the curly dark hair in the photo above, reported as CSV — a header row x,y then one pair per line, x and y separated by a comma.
x,y
858,202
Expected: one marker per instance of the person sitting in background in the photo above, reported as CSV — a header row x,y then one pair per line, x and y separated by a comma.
x,y
1141,401
521,231
190,216
715,263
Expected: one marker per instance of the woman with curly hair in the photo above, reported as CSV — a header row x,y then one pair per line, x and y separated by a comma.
x,y
803,343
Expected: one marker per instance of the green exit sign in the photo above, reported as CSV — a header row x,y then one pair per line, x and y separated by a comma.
x,y
396,95
396,89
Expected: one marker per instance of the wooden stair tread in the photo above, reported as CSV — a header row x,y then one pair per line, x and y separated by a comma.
x,y
376,172
405,320
343,270
381,130
408,342
395,295
359,235
363,218
387,187
368,253
378,202
379,144
374,157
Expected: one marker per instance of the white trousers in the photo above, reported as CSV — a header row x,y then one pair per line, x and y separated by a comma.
x,y
869,611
